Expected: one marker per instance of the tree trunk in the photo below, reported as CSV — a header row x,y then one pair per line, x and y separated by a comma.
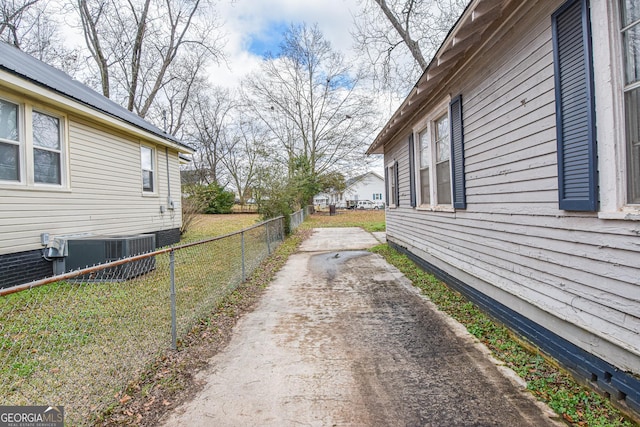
x,y
136,56
404,33
92,39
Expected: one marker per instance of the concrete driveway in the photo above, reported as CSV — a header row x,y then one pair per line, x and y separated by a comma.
x,y
340,338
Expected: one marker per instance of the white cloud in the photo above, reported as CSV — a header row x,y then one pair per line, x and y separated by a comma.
x,y
247,19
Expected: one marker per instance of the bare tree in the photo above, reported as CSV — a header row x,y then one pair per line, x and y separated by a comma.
x,y
310,100
210,116
179,95
138,47
30,26
243,154
91,19
13,14
400,36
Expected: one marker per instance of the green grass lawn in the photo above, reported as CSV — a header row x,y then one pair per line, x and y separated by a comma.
x,y
205,226
370,220
78,344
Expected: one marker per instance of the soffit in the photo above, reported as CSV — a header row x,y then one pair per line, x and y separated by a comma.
x,y
479,20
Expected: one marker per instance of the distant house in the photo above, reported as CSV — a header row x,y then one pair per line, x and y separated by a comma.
x,y
513,173
368,186
74,162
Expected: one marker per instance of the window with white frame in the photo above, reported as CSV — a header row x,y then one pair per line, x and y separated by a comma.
x,y
443,152
630,29
47,149
435,170
425,167
391,179
31,155
9,141
377,196
147,155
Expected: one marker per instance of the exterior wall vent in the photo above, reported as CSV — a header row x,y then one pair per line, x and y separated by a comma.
x,y
88,251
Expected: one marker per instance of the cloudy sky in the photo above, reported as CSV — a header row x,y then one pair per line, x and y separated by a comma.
x,y
254,27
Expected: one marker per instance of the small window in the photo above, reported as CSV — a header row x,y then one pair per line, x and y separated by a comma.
x,y
443,171
425,164
9,141
47,149
391,176
147,156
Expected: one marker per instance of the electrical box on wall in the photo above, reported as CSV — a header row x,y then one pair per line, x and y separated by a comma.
x,y
56,248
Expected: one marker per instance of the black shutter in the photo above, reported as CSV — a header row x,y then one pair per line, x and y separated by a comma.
x,y
457,153
575,113
386,186
397,178
412,177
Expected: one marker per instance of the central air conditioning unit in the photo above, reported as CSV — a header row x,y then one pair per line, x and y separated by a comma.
x,y
93,250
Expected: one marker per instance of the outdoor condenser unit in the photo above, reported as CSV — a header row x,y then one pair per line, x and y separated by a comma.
x,y
93,250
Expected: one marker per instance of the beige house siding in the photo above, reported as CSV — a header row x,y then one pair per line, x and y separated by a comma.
x,y
573,273
104,196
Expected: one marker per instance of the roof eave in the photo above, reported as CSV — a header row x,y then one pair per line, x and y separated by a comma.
x,y
40,92
463,36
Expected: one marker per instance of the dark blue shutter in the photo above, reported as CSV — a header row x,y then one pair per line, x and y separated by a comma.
x,y
397,178
457,153
386,186
412,177
575,114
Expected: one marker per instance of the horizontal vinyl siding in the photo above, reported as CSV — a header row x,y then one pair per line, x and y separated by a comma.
x,y
573,266
537,268
510,148
105,194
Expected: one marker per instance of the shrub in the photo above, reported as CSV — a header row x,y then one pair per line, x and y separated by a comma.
x,y
213,198
191,207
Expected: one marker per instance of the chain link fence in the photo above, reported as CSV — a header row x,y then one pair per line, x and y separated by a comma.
x,y
298,217
77,339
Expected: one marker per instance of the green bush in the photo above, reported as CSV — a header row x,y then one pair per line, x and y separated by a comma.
x,y
213,198
279,202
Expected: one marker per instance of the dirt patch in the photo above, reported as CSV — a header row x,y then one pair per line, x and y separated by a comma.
x,y
172,378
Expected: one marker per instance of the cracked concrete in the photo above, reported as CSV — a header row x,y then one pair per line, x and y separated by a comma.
x,y
341,338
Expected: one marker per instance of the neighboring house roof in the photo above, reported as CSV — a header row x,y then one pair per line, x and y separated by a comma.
x,y
481,17
27,67
352,181
184,159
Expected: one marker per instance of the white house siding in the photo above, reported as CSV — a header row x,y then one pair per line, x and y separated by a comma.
x,y
105,195
365,188
572,273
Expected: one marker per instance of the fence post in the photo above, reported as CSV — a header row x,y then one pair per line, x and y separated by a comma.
x,y
172,268
266,225
242,249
